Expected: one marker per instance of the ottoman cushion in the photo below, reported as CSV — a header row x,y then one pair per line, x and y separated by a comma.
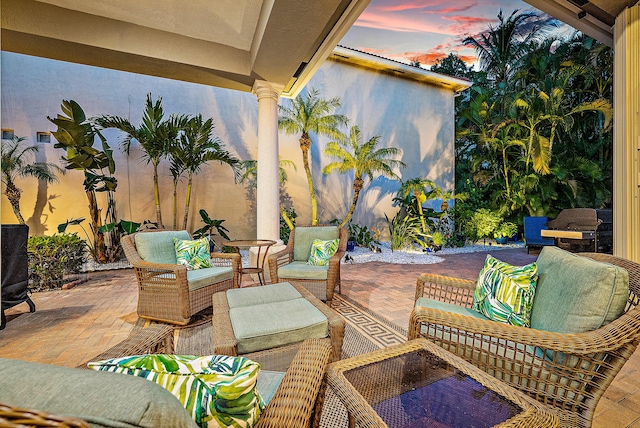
x,y
275,324
272,293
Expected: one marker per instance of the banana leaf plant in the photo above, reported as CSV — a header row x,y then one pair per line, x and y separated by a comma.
x,y
76,135
209,227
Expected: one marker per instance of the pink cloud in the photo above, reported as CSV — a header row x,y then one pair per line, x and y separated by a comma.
x,y
427,6
393,22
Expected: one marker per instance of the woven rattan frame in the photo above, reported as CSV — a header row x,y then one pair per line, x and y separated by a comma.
x,y
11,416
569,378
533,415
225,343
323,290
163,290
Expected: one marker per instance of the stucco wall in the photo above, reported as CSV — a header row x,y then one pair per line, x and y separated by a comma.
x,y
413,116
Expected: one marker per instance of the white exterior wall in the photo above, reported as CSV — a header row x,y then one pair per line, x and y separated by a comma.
x,y
413,116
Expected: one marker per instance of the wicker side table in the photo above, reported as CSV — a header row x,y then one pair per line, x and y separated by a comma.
x,y
420,384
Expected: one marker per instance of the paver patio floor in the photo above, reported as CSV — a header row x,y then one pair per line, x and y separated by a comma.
x,y
72,326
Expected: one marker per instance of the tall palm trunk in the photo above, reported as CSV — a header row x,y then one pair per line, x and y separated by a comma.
x,y
187,201
305,144
286,218
358,183
422,222
175,205
94,214
13,194
156,194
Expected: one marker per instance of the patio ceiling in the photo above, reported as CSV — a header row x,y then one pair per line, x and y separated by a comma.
x,y
594,18
225,43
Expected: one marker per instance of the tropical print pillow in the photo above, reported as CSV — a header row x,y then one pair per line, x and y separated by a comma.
x,y
504,292
216,390
193,254
321,251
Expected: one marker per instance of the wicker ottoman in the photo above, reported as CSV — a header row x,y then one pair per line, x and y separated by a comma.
x,y
268,323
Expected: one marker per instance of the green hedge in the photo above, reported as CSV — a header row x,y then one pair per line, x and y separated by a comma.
x,y
53,258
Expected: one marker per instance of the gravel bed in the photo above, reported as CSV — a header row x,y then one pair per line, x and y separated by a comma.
x,y
360,255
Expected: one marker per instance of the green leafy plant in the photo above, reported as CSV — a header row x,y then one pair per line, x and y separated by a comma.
x,y
209,226
482,224
77,135
53,258
362,236
405,232
289,218
505,230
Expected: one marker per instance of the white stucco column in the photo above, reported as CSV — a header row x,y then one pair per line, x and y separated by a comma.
x,y
626,135
268,192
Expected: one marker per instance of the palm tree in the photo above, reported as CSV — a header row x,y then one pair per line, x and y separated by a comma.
x,y
363,159
500,49
17,163
416,188
155,136
250,173
196,146
308,113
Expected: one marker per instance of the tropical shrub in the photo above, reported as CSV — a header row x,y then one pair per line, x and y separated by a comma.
x,y
53,258
505,230
482,224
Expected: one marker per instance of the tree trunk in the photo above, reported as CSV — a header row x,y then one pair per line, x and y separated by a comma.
x,y
13,194
99,245
175,205
358,183
187,202
286,218
305,145
156,195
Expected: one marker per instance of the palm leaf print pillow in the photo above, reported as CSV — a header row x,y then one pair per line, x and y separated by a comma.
x,y
193,254
321,251
216,390
504,292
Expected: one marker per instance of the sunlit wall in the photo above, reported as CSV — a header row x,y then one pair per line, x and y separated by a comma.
x,y
414,116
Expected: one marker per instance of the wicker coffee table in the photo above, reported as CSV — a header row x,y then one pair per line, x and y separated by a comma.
x,y
419,384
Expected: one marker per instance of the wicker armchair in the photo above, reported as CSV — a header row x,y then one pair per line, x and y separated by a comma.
x,y
164,293
322,280
567,372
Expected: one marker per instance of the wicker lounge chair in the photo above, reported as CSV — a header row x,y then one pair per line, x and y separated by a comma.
x,y
165,291
567,372
290,264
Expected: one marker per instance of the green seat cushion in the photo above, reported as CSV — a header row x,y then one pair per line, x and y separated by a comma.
x,y
102,399
304,236
157,247
303,270
505,293
194,254
270,293
216,390
576,294
271,325
425,302
203,277
268,383
321,251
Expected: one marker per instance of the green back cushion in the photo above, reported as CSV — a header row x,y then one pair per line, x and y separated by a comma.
x,y
216,390
576,294
504,292
194,254
157,247
102,399
321,251
304,236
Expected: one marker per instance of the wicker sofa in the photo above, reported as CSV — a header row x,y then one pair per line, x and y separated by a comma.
x,y
139,402
568,372
167,291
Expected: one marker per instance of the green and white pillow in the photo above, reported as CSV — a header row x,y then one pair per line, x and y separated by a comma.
x,y
216,390
321,251
193,254
504,292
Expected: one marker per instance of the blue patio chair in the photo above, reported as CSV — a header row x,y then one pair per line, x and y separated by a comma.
x,y
532,228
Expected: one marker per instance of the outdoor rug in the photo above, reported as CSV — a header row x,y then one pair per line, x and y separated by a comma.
x,y
365,331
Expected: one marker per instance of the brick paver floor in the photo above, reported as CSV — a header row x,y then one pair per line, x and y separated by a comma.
x,y
71,326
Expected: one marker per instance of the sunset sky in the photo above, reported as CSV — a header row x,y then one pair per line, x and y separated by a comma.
x,y
427,30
